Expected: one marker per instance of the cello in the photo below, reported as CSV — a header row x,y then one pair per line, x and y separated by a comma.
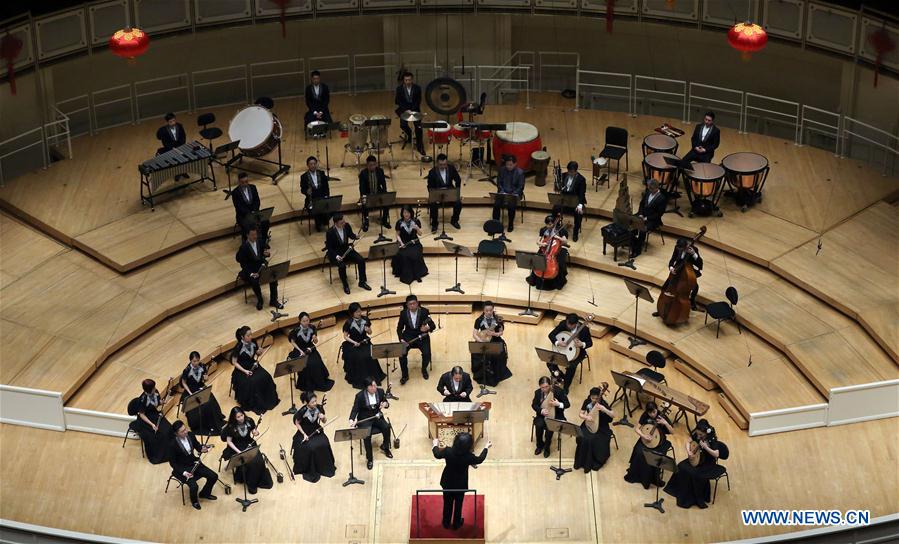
x,y
674,302
550,247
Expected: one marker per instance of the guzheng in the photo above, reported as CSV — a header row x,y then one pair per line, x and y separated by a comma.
x,y
440,420
190,158
682,401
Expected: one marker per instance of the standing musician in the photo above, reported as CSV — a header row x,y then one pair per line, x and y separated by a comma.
x,y
658,427
245,198
187,467
552,231
240,434
253,256
369,403
584,341
358,364
445,176
315,375
339,253
455,475
318,96
555,411
408,98
171,135
208,418
573,183
412,328
653,204
409,262
488,327
509,180
690,483
372,181
314,186
593,450
312,455
685,254
455,385
705,140
151,425
254,388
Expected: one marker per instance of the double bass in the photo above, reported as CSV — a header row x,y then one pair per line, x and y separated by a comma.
x,y
674,302
550,247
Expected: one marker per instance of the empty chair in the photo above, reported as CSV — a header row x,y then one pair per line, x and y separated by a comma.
x,y
492,247
206,132
724,310
656,360
615,148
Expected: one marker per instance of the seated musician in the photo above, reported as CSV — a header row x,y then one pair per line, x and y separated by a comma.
x,y
455,475
312,455
208,418
340,252
254,388
253,258
240,435
367,412
408,98
372,181
573,183
151,425
488,327
183,460
705,140
444,176
638,471
583,341
684,253
455,385
318,96
592,449
557,411
690,484
509,180
358,364
304,339
314,185
412,329
171,135
653,204
409,262
552,231
245,198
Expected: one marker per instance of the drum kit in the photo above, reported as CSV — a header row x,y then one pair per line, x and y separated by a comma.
x,y
257,132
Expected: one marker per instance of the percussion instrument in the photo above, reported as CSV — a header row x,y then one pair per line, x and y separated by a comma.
x,y
655,167
440,420
703,186
258,130
441,135
358,134
310,129
659,143
569,349
462,132
410,116
746,173
445,95
377,135
190,158
520,140
669,130
540,162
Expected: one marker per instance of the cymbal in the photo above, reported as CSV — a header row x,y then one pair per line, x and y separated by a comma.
x,y
412,116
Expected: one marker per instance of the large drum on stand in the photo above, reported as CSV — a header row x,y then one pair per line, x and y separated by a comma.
x,y
357,133
258,130
377,135
520,140
703,185
659,143
655,167
746,173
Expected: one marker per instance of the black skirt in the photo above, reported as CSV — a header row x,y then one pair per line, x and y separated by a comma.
x,y
313,459
257,474
592,450
639,471
557,282
207,419
359,365
409,264
315,375
496,370
156,444
690,485
256,393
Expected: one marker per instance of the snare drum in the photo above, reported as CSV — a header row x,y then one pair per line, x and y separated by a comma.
x,y
659,143
703,186
440,135
520,140
258,130
540,162
655,167
377,135
358,133
746,173
310,129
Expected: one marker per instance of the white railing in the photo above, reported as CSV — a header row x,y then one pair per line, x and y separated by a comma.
x,y
278,78
671,91
112,107
58,130
816,120
378,68
556,64
614,85
501,79
335,69
229,82
19,149
727,100
165,91
887,143
782,111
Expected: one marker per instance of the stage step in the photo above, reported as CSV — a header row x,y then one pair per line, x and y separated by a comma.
x,y
694,375
620,344
732,411
597,329
510,314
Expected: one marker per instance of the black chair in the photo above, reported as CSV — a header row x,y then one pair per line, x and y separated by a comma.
x,y
492,247
327,262
657,230
265,102
207,132
720,472
724,310
131,434
180,486
615,148
656,360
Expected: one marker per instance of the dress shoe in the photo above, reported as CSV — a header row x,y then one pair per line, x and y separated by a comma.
x,y
364,285
424,373
259,305
703,506
403,380
195,505
418,280
276,304
365,227
456,224
655,314
369,464
693,307
346,289
538,450
208,497
575,237
433,229
387,453
546,451
252,490
460,524
511,227
446,525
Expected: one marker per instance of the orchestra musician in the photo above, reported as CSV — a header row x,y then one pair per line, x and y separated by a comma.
x,y
455,475
455,385
593,450
151,425
444,176
408,98
245,198
584,341
171,135
556,411
690,483
552,230
315,375
240,434
638,470
653,204
314,186
318,96
368,412
254,388
684,254
183,461
488,327
312,455
358,364
372,181
573,183
339,251
253,256
409,262
509,180
208,418
705,140
413,328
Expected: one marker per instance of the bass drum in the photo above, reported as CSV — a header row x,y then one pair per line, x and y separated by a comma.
x,y
258,130
377,135
358,133
520,140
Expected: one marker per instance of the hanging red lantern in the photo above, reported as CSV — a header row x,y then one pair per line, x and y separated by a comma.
x,y
882,43
283,5
610,14
129,43
747,38
10,47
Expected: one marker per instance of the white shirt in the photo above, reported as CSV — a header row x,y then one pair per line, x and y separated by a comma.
x,y
246,193
185,443
456,384
568,183
705,132
372,398
413,317
316,89
174,131
652,197
314,177
409,92
254,248
340,234
443,174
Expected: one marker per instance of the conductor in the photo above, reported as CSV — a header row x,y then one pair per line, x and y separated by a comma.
x,y
455,475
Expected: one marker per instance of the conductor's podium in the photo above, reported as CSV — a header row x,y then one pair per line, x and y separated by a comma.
x,y
447,419
425,525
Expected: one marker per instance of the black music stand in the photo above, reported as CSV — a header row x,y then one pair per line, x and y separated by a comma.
x,y
384,252
326,206
240,461
470,417
195,401
258,217
560,427
351,435
492,127
457,250
442,196
561,201
318,132
380,123
530,261
390,350
431,125
503,200
639,292
376,202
238,158
484,349
290,367
634,222
624,383
224,149
551,357
660,462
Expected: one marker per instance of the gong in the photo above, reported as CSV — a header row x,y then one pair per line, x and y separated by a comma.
x,y
445,95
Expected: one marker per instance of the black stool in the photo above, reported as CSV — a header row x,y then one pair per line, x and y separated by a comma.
x,y
207,132
656,360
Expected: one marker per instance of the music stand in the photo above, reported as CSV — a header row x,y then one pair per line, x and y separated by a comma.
x,y
484,349
560,427
380,123
624,383
274,272
470,417
258,217
661,462
633,222
551,357
224,149
530,261
290,367
457,250
318,132
442,196
680,164
351,435
326,206
384,252
196,401
639,292
503,200
492,128
376,202
390,350
561,201
430,125
240,461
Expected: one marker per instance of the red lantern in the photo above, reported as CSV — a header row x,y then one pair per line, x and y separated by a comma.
x,y
10,47
882,43
610,14
747,38
283,5
129,43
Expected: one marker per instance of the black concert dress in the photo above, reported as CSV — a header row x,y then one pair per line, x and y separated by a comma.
x,y
593,449
156,443
207,419
497,368
256,393
315,375
313,458
561,278
256,472
358,363
690,485
409,263
638,471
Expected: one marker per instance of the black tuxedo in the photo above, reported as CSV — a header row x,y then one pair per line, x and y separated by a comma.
x,y
169,142
406,331
653,212
246,200
365,188
447,382
362,410
544,437
679,258
183,461
453,180
250,263
711,142
578,187
335,247
311,192
455,476
317,103
585,337
509,182
405,102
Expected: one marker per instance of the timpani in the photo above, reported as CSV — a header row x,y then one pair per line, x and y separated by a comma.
x,y
659,143
655,167
746,173
703,185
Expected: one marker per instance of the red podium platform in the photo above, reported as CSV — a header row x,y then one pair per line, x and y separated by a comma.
x,y
429,521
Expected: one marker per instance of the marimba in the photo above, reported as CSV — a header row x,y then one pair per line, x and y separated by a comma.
x,y
190,158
